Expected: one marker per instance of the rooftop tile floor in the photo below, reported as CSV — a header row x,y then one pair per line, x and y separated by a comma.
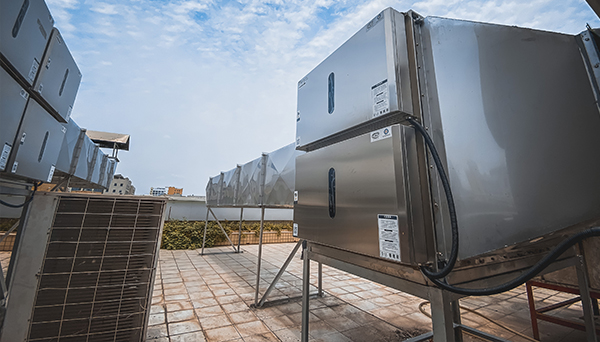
x,y
208,298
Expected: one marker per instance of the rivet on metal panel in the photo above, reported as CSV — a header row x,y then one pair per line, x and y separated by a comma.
x,y
435,204
586,39
596,65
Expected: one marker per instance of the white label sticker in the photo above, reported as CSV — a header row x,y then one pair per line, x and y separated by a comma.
x,y
33,71
50,174
295,196
381,98
4,156
381,134
14,168
389,237
24,94
295,230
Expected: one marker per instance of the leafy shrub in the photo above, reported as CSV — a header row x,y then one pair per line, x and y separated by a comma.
x,y
179,234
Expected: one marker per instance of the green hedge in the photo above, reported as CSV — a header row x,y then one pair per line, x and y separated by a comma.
x,y
179,234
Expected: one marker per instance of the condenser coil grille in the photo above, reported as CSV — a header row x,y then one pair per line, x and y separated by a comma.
x,y
96,278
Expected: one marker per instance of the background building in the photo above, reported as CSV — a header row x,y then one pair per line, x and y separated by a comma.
x,y
120,186
174,191
158,191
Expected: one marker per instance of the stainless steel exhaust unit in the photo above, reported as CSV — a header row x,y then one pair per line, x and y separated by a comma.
x,y
511,112
513,116
13,99
25,28
37,145
59,78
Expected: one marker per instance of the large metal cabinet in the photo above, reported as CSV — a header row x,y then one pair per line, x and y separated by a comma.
x,y
360,193
25,27
59,78
37,144
513,115
365,79
13,99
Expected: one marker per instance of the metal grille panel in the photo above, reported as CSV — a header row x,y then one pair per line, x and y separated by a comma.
x,y
98,270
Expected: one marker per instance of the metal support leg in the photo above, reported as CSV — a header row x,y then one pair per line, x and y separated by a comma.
x,y
205,229
280,273
240,231
320,277
586,300
305,292
442,317
16,245
260,239
457,321
222,229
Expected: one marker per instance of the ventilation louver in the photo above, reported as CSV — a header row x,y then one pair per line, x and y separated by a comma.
x,y
96,274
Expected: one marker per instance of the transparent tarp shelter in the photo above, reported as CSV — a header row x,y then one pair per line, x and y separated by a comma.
x,y
266,182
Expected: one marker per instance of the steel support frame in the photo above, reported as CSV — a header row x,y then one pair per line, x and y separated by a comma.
x,y
586,296
444,305
209,210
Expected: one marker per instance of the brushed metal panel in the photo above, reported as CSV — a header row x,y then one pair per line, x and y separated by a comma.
x,y
370,180
87,159
230,188
68,147
514,116
375,55
13,100
39,139
252,182
280,173
213,190
25,28
59,78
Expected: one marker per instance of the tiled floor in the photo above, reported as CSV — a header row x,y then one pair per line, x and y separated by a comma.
x,y
208,298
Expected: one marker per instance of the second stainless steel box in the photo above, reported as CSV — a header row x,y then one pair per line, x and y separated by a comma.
x,y
365,79
13,100
37,145
59,78
25,27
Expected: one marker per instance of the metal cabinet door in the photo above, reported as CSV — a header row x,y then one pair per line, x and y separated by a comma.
x,y
13,100
37,145
25,27
349,193
364,79
59,78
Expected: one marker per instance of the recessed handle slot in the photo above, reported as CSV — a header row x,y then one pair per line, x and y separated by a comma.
x,y
332,193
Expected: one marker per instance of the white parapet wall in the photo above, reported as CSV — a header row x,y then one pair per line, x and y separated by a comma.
x,y
193,208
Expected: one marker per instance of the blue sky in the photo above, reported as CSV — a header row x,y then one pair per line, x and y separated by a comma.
x,y
204,85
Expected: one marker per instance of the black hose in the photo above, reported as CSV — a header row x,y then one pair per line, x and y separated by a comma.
x,y
451,209
532,272
10,205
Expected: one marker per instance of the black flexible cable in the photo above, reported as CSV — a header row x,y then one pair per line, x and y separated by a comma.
x,y
451,209
10,205
532,272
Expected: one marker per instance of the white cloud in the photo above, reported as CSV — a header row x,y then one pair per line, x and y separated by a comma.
x,y
203,86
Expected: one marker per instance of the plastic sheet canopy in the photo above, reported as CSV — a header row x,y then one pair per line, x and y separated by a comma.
x,y
265,181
